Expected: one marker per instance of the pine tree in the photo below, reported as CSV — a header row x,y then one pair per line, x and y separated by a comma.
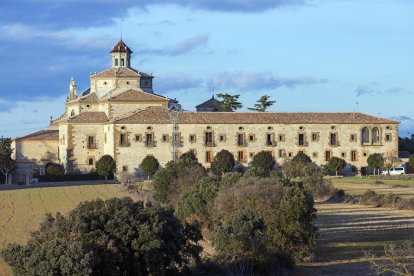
x,y
262,104
229,103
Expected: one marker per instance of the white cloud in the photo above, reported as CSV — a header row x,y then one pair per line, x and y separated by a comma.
x,y
23,117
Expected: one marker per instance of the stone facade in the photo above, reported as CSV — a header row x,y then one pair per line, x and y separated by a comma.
x,y
121,116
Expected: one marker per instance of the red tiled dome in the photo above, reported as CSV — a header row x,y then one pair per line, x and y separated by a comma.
x,y
120,47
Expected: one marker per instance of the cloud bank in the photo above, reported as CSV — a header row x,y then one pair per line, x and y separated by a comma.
x,y
378,89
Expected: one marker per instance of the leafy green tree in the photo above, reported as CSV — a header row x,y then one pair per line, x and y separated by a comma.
x,y
315,183
262,104
411,161
223,162
106,166
291,228
375,161
229,103
54,169
294,167
168,180
111,237
7,164
241,235
230,178
263,163
197,199
336,164
150,165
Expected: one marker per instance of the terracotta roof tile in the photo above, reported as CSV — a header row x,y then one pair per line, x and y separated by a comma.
x,y
121,47
159,115
89,98
90,117
42,135
135,95
121,72
211,103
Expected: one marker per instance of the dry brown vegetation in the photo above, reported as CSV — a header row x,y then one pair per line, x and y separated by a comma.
x,y
347,231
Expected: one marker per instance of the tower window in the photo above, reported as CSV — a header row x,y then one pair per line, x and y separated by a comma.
x,y
116,62
122,62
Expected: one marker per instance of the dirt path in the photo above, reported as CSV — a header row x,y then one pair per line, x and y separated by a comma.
x,y
347,230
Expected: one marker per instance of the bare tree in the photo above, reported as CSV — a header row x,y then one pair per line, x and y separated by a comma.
x,y
397,260
391,160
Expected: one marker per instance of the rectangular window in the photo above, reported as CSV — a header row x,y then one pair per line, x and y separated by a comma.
x,y
124,168
315,137
327,155
165,138
192,138
281,137
343,154
388,137
315,155
123,140
333,141
149,140
301,139
90,161
209,139
240,156
91,142
354,156
138,137
251,154
240,139
281,153
222,138
290,154
353,138
209,156
251,137
269,139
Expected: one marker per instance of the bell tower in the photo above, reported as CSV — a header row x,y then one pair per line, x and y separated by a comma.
x,y
121,55
72,89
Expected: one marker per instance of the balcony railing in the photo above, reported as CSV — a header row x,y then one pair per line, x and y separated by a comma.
x,y
150,144
209,143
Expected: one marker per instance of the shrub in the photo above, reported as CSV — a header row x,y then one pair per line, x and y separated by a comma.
x,y
106,166
291,228
76,176
196,200
230,178
112,237
54,169
411,161
241,235
315,183
223,162
176,177
150,165
294,167
263,162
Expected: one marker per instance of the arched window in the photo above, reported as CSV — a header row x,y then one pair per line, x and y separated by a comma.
x,y
375,135
122,62
365,135
116,62
72,113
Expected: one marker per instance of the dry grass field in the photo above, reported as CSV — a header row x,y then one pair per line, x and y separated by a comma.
x,y
21,211
358,186
347,230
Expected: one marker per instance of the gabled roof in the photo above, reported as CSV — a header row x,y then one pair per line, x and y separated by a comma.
x,y
159,115
41,135
132,95
121,72
89,117
121,47
211,103
88,98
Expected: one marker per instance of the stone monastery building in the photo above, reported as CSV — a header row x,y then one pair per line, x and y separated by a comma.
x,y
120,115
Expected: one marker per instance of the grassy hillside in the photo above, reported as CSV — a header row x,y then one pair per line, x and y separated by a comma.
x,y
21,211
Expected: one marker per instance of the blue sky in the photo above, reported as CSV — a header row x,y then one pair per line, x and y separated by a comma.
x,y
308,55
